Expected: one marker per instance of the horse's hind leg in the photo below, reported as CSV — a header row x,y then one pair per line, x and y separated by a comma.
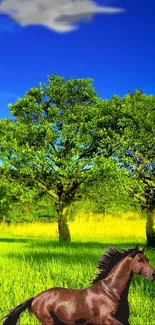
x,y
42,314
47,321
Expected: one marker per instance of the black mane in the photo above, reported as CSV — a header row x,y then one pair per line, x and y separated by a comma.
x,y
109,259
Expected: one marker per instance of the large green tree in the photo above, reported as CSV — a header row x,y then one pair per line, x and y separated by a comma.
x,y
137,151
57,138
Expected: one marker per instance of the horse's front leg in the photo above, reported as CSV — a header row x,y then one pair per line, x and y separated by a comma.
x,y
110,320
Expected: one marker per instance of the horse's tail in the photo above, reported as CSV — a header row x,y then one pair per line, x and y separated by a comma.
x,y
13,316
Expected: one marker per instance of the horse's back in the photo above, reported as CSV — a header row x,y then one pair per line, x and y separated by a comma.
x,y
58,301
55,296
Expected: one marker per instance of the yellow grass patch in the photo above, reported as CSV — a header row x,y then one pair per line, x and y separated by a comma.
x,y
90,226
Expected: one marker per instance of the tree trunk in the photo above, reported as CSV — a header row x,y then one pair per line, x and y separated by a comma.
x,y
150,228
63,228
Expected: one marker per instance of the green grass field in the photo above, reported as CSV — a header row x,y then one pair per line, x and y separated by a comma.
x,y
32,260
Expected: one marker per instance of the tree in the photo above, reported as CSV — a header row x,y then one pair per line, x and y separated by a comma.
x,y
108,191
137,151
56,138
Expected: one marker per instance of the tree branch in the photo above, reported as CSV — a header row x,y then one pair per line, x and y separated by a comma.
x,y
137,196
50,192
85,163
148,182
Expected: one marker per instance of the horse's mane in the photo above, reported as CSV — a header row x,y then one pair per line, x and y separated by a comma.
x,y
109,259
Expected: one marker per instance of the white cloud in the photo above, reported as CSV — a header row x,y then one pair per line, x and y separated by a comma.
x,y
59,15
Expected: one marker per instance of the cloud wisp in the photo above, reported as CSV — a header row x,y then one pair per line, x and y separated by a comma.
x,y
6,94
58,15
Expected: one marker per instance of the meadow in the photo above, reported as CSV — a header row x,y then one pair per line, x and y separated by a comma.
x,y
32,260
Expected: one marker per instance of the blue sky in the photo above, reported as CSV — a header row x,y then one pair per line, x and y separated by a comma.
x,y
80,38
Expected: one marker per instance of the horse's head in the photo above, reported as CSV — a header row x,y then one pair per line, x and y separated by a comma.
x,y
140,265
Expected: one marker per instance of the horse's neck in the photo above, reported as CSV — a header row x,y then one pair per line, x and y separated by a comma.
x,y
120,277
126,289
125,292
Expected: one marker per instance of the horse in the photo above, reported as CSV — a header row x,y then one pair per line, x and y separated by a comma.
x,y
98,304
106,263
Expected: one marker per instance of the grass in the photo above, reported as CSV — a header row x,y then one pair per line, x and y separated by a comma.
x,y
32,260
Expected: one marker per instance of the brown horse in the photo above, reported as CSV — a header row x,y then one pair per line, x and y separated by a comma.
x,y
106,263
98,304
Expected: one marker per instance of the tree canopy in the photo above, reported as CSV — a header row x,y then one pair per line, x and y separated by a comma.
x,y
137,150
57,138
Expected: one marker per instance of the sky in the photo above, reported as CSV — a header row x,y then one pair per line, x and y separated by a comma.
x,y
110,41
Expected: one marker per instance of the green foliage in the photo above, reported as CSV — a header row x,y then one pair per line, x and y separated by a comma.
x,y
57,133
57,137
137,145
137,150
107,191
10,194
19,203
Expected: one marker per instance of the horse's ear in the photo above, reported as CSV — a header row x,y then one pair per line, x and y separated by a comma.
x,y
143,249
136,249
134,253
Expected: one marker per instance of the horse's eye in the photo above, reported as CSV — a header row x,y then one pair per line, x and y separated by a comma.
x,y
140,260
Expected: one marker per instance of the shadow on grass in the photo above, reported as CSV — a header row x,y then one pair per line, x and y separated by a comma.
x,y
70,256
14,240
46,242
73,253
40,250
